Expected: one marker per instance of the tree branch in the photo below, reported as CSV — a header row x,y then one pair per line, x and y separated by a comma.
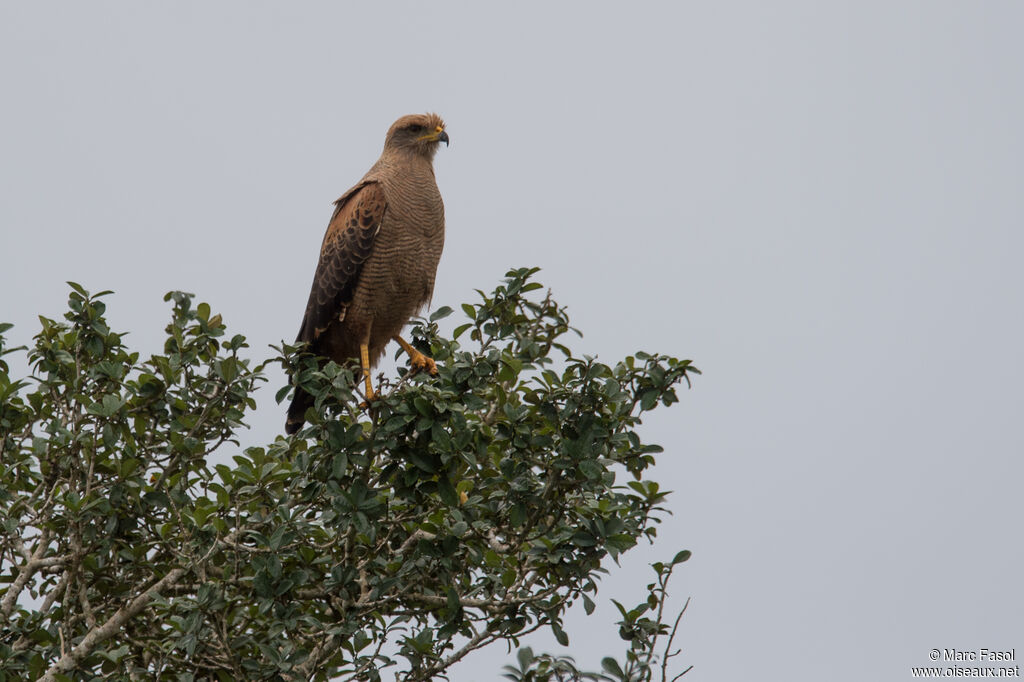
x,y
70,659
30,566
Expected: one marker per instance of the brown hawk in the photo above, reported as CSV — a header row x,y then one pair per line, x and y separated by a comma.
x,y
378,258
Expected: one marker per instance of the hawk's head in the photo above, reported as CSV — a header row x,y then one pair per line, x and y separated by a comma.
x,y
419,133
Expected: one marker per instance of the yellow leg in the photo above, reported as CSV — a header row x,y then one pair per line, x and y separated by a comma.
x,y
364,360
417,360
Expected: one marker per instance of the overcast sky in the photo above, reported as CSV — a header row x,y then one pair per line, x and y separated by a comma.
x,y
819,203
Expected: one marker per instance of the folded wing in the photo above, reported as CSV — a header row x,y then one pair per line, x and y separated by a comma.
x,y
347,244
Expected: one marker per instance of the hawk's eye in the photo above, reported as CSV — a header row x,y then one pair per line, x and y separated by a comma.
x,y
416,128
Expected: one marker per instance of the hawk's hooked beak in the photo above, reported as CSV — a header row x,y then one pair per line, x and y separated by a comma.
x,y
439,135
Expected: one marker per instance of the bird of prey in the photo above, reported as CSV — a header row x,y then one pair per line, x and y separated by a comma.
x,y
378,258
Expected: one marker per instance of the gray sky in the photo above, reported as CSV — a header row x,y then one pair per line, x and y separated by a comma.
x,y
819,203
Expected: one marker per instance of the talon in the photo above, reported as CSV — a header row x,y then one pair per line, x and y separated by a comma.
x,y
368,403
417,360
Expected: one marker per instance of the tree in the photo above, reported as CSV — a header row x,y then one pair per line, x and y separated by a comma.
x,y
457,511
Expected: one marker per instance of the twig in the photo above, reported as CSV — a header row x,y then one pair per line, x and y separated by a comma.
x,y
668,647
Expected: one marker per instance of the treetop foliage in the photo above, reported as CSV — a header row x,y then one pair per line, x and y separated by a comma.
x,y
457,511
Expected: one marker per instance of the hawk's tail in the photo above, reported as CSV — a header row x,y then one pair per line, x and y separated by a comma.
x,y
297,411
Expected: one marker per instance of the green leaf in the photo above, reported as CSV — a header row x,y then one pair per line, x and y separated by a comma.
x,y
339,464
648,399
583,539
423,406
441,313
612,667
591,469
447,492
517,515
453,603
263,585
423,461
